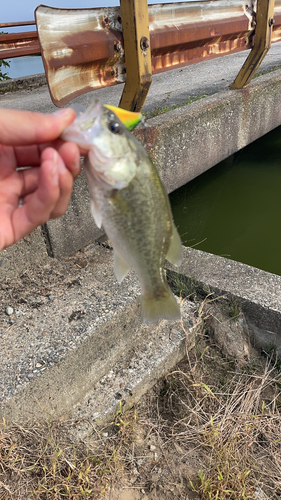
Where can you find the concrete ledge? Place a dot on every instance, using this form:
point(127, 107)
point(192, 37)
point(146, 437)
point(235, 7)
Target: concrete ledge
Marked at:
point(78, 327)
point(257, 292)
point(187, 141)
point(23, 82)
point(183, 144)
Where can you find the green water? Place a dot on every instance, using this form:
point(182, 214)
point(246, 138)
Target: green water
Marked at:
point(234, 209)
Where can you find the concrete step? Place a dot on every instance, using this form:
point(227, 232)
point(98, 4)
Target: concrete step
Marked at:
point(63, 326)
point(71, 321)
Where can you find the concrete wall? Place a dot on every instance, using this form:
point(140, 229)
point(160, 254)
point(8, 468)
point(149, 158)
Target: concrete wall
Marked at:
point(186, 142)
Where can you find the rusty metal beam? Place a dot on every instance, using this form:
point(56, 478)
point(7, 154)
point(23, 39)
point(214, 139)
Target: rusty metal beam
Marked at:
point(19, 44)
point(16, 24)
point(83, 49)
point(135, 23)
point(262, 43)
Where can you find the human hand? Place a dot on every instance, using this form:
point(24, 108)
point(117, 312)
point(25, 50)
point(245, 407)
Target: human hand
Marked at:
point(31, 196)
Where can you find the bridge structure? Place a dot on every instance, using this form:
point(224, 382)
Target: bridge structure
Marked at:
point(177, 47)
point(77, 335)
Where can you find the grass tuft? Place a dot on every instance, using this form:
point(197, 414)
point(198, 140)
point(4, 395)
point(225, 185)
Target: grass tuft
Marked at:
point(185, 287)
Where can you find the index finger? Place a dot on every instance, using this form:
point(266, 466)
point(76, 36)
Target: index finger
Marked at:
point(20, 128)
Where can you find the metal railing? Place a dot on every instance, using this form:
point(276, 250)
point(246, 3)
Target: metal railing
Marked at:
point(86, 49)
point(18, 44)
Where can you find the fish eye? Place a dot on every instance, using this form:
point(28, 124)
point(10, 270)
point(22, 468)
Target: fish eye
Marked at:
point(114, 127)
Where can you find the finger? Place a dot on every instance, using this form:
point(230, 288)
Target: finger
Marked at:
point(70, 155)
point(38, 206)
point(30, 176)
point(18, 128)
point(30, 155)
point(30, 180)
point(65, 182)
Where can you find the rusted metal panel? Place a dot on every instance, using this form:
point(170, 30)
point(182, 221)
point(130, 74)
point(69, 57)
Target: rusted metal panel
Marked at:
point(19, 44)
point(84, 49)
point(81, 50)
point(190, 43)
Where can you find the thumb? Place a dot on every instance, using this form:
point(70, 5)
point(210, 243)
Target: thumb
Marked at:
point(21, 128)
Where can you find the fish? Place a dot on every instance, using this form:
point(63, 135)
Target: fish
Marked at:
point(129, 199)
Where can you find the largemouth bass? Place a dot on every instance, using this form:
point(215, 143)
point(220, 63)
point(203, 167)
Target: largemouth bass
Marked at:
point(130, 201)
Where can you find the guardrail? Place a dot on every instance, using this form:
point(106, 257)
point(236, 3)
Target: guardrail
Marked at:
point(85, 49)
point(18, 44)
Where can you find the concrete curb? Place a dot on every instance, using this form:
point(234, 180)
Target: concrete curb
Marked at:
point(256, 291)
point(23, 82)
point(191, 139)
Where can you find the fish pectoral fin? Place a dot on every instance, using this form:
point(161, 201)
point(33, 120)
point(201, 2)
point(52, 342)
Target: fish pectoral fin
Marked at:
point(174, 254)
point(121, 267)
point(96, 214)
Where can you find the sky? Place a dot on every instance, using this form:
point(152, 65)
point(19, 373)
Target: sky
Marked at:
point(19, 10)
point(23, 10)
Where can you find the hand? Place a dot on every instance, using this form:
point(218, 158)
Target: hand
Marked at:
point(31, 196)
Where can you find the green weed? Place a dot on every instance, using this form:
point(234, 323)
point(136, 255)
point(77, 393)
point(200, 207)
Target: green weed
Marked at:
point(266, 71)
point(164, 109)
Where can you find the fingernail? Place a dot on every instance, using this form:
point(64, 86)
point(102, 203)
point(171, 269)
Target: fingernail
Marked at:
point(55, 172)
point(62, 112)
point(76, 164)
point(61, 167)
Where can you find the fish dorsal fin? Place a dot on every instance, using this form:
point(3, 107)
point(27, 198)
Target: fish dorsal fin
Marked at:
point(121, 267)
point(174, 254)
point(96, 213)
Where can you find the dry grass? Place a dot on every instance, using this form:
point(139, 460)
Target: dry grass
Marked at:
point(44, 462)
point(210, 430)
point(231, 416)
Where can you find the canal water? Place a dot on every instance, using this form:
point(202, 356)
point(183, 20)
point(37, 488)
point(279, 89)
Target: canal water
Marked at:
point(234, 209)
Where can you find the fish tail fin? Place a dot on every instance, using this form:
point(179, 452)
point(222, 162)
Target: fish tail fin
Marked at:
point(156, 308)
